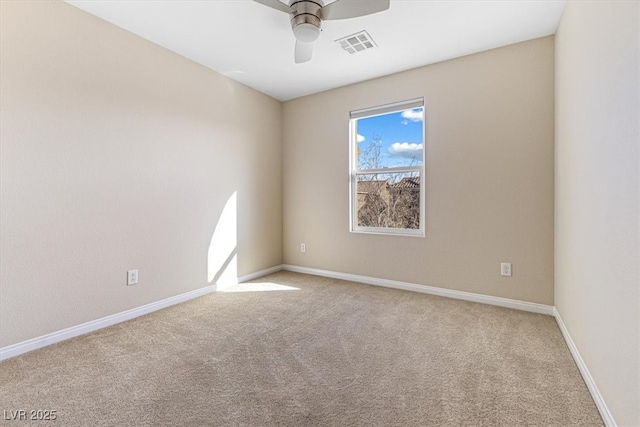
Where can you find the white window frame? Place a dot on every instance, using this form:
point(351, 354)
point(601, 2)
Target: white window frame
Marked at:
point(354, 171)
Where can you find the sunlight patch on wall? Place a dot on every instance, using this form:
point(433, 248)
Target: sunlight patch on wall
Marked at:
point(222, 264)
point(228, 274)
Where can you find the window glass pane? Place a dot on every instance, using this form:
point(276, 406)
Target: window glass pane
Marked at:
point(390, 140)
point(389, 200)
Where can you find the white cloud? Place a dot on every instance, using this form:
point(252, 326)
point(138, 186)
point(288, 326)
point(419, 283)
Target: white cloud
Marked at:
point(415, 115)
point(360, 138)
point(407, 150)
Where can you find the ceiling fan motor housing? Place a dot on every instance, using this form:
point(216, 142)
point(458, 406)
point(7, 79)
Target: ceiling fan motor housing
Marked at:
point(306, 21)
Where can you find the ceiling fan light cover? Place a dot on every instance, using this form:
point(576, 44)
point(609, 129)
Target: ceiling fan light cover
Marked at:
point(306, 32)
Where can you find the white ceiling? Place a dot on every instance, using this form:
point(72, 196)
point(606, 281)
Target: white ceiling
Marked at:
point(253, 44)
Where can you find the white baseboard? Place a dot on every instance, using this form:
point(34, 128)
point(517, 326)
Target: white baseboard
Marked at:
point(94, 325)
point(260, 273)
point(606, 415)
point(431, 290)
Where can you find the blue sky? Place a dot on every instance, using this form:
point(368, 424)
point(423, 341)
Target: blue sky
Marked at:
point(401, 138)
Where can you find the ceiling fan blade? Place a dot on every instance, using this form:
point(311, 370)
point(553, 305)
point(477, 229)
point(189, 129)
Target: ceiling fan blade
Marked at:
point(342, 9)
point(275, 4)
point(304, 51)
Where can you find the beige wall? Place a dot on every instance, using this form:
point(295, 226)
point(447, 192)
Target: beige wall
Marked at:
point(597, 190)
point(489, 176)
point(118, 154)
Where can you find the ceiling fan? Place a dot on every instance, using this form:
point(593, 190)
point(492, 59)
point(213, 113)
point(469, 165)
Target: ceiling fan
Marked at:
point(307, 16)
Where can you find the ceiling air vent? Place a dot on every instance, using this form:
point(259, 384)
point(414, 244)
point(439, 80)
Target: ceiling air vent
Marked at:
point(357, 42)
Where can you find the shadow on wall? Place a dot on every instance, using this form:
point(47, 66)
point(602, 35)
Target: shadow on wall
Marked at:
point(222, 265)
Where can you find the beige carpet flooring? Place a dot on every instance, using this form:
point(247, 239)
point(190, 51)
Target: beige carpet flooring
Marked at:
point(329, 353)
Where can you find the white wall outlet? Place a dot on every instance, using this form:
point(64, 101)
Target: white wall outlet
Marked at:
point(303, 247)
point(505, 269)
point(132, 277)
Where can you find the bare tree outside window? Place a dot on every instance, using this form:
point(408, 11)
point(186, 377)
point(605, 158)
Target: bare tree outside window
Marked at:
point(389, 200)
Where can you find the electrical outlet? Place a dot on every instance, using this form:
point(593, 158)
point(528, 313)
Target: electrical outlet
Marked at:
point(505, 269)
point(303, 247)
point(132, 277)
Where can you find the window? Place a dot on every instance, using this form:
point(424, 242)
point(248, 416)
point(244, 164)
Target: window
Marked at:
point(387, 169)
